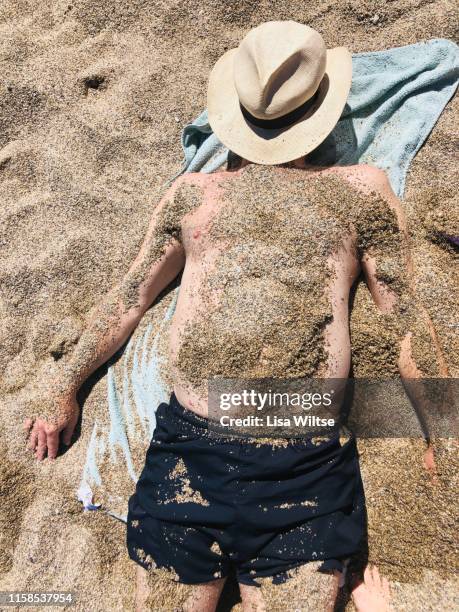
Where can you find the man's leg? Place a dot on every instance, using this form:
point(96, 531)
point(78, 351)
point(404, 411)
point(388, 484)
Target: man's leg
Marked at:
point(141, 589)
point(252, 599)
point(204, 597)
point(306, 589)
point(198, 598)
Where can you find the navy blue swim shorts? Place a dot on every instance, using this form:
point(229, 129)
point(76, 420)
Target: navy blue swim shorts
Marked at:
point(205, 505)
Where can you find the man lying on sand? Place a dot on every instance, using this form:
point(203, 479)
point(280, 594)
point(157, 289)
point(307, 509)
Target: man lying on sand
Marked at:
point(269, 251)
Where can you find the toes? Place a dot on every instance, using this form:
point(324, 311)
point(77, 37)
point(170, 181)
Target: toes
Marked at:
point(376, 577)
point(367, 576)
point(386, 588)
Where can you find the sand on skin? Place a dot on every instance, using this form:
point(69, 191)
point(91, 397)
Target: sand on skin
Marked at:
point(92, 100)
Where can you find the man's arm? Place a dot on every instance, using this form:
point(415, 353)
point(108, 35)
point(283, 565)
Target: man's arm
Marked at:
point(370, 180)
point(159, 261)
point(386, 300)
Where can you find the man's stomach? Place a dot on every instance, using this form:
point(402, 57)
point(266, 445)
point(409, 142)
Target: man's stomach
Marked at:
point(253, 328)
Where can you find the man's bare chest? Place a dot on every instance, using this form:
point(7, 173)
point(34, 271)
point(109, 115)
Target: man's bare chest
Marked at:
point(298, 233)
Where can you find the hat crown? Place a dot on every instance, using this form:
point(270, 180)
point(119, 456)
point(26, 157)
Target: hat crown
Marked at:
point(278, 67)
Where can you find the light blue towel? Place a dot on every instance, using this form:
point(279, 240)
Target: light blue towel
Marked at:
point(395, 99)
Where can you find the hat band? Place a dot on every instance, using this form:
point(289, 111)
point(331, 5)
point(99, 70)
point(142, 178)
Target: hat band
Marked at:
point(283, 121)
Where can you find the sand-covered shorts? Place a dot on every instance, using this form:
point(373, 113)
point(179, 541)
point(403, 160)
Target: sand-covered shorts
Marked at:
point(205, 505)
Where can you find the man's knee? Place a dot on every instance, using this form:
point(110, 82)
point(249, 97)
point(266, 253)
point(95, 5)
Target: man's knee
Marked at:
point(305, 588)
point(156, 591)
point(204, 597)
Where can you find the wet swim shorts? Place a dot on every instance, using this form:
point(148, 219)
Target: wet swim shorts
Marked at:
point(203, 504)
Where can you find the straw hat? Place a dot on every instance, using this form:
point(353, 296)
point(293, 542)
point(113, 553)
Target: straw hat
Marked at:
point(279, 94)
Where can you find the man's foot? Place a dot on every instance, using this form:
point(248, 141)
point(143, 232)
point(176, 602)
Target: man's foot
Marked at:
point(373, 594)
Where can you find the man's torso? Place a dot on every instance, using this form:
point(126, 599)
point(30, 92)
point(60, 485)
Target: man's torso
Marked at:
point(270, 261)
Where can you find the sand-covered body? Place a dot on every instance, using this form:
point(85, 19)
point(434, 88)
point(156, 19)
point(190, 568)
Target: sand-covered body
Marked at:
point(271, 257)
point(93, 97)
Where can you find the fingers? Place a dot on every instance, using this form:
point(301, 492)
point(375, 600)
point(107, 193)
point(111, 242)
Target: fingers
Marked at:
point(52, 441)
point(33, 438)
point(27, 425)
point(41, 444)
point(44, 435)
point(44, 438)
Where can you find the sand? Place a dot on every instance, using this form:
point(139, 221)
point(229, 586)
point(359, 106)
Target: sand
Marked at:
point(92, 100)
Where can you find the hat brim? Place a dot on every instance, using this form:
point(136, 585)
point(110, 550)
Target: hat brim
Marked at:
point(276, 146)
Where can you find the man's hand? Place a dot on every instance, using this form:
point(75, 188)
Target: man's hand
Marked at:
point(43, 434)
point(429, 464)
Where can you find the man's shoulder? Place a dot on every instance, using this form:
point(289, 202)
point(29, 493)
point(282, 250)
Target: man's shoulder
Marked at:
point(203, 182)
point(364, 177)
point(196, 178)
point(203, 187)
point(370, 180)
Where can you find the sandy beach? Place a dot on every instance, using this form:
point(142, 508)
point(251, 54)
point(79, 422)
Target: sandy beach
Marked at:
point(93, 98)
